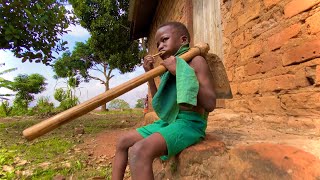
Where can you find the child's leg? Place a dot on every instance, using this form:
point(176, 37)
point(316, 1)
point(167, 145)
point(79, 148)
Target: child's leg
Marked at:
point(142, 154)
point(121, 157)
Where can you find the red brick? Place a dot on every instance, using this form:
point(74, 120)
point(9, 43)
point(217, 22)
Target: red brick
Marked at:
point(249, 14)
point(304, 52)
point(230, 27)
point(239, 73)
point(318, 75)
point(230, 75)
point(236, 8)
point(253, 68)
point(251, 50)
point(270, 61)
point(238, 105)
point(251, 87)
point(278, 83)
point(234, 88)
point(301, 122)
point(301, 78)
point(263, 27)
point(238, 40)
point(269, 3)
point(277, 40)
point(248, 35)
point(230, 61)
point(297, 6)
point(313, 23)
point(306, 103)
point(265, 105)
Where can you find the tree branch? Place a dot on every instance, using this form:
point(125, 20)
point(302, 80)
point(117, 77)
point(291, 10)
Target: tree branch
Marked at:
point(98, 79)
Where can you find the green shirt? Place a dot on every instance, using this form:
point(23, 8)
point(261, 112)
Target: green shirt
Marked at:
point(174, 90)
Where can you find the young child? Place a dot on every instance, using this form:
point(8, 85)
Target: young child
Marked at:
point(182, 102)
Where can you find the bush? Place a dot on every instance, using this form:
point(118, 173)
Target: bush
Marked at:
point(66, 98)
point(5, 109)
point(44, 107)
point(20, 108)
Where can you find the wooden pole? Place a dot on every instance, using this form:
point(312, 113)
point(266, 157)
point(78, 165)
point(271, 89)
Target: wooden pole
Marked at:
point(89, 105)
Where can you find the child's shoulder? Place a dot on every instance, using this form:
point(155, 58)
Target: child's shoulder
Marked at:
point(198, 62)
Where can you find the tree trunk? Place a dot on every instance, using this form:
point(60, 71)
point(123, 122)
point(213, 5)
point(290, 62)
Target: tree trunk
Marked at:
point(104, 106)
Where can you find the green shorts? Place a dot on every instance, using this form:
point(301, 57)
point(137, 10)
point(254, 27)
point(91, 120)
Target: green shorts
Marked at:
point(188, 129)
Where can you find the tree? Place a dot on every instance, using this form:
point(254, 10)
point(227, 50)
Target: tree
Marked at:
point(26, 87)
point(66, 98)
point(109, 47)
point(140, 103)
point(32, 29)
point(118, 104)
point(5, 83)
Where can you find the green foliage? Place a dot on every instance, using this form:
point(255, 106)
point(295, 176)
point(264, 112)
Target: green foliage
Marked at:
point(118, 104)
point(140, 103)
point(107, 22)
point(43, 107)
point(5, 108)
point(66, 98)
point(71, 68)
point(6, 159)
point(26, 86)
point(20, 107)
point(32, 29)
point(5, 83)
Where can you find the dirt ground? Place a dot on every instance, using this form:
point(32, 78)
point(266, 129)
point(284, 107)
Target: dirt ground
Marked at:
point(233, 129)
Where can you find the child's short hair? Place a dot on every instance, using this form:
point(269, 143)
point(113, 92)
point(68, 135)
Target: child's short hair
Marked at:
point(179, 26)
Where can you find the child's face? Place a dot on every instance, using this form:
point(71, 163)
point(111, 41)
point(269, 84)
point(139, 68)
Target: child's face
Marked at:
point(169, 40)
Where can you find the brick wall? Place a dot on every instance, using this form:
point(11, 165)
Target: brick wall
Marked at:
point(169, 10)
point(272, 55)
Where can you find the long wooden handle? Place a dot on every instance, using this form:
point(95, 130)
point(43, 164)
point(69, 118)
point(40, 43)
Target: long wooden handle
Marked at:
point(91, 104)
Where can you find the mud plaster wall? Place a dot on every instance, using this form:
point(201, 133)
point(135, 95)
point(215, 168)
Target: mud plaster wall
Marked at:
point(169, 10)
point(272, 55)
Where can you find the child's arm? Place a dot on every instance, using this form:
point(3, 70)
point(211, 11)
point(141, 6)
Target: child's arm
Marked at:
point(206, 95)
point(148, 62)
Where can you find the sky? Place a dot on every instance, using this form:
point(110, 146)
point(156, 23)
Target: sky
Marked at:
point(86, 90)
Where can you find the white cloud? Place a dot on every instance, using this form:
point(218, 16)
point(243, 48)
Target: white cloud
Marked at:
point(78, 31)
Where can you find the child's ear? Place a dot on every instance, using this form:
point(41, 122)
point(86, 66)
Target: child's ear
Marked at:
point(184, 39)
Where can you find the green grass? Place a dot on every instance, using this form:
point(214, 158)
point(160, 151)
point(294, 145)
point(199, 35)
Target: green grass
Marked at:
point(53, 154)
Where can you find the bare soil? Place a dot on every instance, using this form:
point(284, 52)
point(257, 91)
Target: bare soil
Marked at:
point(233, 129)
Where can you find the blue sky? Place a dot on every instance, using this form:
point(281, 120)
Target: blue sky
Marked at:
point(86, 90)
